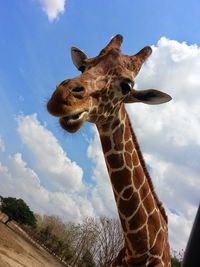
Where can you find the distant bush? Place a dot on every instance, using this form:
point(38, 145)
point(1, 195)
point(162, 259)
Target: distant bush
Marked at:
point(18, 210)
point(176, 259)
point(175, 262)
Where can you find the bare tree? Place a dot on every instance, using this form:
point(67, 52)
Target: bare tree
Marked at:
point(109, 241)
point(86, 240)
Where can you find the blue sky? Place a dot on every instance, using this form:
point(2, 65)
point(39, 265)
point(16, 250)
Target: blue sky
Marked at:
point(35, 52)
point(36, 37)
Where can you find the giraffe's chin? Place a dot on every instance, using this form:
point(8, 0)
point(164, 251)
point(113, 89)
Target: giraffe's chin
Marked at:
point(73, 123)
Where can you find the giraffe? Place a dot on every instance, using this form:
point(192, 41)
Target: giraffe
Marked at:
point(99, 95)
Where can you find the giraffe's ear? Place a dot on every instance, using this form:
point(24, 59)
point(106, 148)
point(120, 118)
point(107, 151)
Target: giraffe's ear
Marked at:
point(144, 53)
point(78, 58)
point(137, 60)
point(149, 96)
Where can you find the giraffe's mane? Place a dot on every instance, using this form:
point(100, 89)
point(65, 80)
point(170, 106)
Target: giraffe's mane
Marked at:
point(143, 164)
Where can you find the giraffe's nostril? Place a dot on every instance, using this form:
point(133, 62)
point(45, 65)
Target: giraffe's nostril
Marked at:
point(78, 91)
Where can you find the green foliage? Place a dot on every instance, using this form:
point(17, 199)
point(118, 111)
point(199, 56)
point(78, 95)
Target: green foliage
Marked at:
point(45, 233)
point(176, 259)
point(87, 259)
point(18, 210)
point(68, 253)
point(175, 262)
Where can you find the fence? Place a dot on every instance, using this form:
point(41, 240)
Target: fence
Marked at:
point(15, 227)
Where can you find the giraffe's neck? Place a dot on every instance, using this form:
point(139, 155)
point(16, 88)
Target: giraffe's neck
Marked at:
point(142, 217)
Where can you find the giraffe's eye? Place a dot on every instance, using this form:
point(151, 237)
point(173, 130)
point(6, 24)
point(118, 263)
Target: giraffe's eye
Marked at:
point(126, 87)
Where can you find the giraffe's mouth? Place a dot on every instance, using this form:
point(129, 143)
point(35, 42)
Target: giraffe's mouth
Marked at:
point(73, 123)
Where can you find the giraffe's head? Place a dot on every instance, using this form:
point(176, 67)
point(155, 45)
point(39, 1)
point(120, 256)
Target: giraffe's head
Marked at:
point(106, 82)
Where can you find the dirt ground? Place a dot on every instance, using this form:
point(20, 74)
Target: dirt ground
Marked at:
point(16, 251)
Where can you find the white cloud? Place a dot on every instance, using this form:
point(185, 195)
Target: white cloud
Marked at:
point(168, 134)
point(50, 158)
point(179, 229)
point(18, 180)
point(64, 193)
point(52, 8)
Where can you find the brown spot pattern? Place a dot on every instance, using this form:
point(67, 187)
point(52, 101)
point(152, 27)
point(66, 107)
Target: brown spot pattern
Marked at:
point(136, 182)
point(100, 109)
point(128, 159)
point(127, 193)
point(139, 241)
point(115, 161)
point(125, 207)
point(153, 226)
point(129, 146)
point(144, 190)
point(135, 158)
point(138, 176)
point(121, 179)
point(127, 134)
point(123, 222)
point(117, 137)
point(106, 143)
point(138, 219)
point(115, 124)
point(159, 241)
point(149, 203)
